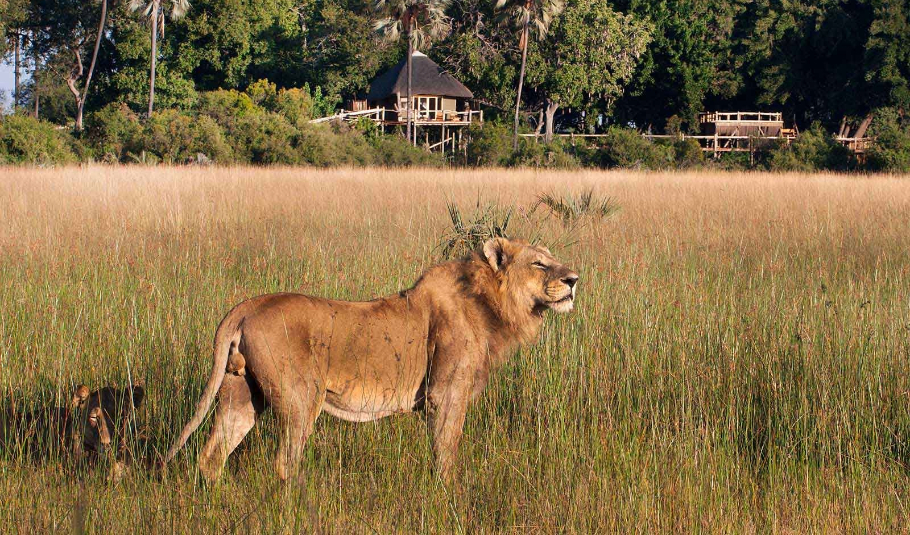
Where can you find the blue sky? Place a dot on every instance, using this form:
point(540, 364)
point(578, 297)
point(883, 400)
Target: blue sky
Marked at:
point(6, 82)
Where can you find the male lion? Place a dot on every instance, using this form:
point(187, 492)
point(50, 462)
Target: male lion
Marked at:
point(430, 347)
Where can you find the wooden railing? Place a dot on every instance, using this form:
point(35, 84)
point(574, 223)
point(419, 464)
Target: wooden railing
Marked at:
point(442, 116)
point(376, 114)
point(381, 115)
point(740, 116)
point(719, 143)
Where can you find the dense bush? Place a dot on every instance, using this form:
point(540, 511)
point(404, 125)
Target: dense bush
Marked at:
point(264, 125)
point(395, 151)
point(114, 132)
point(178, 137)
point(687, 154)
point(227, 105)
point(891, 151)
point(532, 153)
point(26, 140)
point(294, 104)
point(265, 138)
point(333, 145)
point(813, 150)
point(626, 148)
point(261, 126)
point(491, 145)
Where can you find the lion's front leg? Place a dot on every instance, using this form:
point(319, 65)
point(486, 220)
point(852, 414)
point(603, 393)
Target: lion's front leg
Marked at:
point(445, 418)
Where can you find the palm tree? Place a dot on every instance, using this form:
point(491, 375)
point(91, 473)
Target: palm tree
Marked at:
point(528, 15)
point(419, 21)
point(153, 10)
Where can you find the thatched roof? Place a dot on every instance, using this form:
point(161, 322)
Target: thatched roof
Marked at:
point(427, 78)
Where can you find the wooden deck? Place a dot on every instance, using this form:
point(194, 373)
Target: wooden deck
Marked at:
point(741, 123)
point(718, 144)
point(387, 117)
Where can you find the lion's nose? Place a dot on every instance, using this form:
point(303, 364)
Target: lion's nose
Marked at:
point(570, 280)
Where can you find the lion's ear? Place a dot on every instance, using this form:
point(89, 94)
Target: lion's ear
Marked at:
point(495, 252)
point(80, 396)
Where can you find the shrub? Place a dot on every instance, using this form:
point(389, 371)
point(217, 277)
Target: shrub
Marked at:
point(348, 145)
point(626, 148)
point(227, 105)
point(687, 154)
point(264, 94)
point(26, 140)
point(265, 138)
point(395, 151)
point(532, 153)
point(323, 105)
point(891, 151)
point(113, 132)
point(813, 150)
point(295, 105)
point(732, 161)
point(489, 145)
point(177, 137)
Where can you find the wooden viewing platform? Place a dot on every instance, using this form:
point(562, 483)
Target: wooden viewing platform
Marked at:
point(740, 131)
point(718, 144)
point(741, 123)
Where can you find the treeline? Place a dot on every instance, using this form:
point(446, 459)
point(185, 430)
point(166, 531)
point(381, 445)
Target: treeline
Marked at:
point(839, 66)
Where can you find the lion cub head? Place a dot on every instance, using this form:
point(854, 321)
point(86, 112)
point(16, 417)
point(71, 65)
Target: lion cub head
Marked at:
point(103, 414)
point(531, 279)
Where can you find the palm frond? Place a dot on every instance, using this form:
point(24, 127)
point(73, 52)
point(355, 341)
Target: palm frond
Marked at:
point(426, 17)
point(539, 14)
point(389, 29)
point(179, 8)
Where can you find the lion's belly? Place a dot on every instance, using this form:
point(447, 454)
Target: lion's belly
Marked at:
point(360, 405)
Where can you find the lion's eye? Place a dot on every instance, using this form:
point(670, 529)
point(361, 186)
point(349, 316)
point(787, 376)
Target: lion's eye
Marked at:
point(539, 265)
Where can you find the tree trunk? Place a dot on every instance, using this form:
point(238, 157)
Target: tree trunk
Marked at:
point(540, 119)
point(156, 7)
point(16, 94)
point(843, 126)
point(521, 79)
point(411, 130)
point(74, 75)
point(552, 107)
point(91, 67)
point(863, 126)
point(35, 92)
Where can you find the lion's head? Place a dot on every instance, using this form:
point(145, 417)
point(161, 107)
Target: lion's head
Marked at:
point(103, 412)
point(531, 280)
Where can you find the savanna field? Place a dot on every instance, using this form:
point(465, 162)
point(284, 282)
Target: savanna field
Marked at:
point(738, 360)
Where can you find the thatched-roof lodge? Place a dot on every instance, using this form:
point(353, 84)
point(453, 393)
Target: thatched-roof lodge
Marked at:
point(438, 97)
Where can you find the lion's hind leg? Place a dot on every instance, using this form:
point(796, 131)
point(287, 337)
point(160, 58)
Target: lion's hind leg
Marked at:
point(297, 413)
point(238, 407)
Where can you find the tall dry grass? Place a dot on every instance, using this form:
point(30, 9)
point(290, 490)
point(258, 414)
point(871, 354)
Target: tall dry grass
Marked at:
point(737, 362)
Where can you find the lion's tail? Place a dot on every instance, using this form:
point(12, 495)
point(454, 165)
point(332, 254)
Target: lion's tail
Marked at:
point(226, 337)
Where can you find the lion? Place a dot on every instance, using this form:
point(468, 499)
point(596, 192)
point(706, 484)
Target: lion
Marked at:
point(85, 429)
point(430, 348)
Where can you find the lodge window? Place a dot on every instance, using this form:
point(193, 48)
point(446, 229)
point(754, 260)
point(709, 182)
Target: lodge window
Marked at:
point(428, 108)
